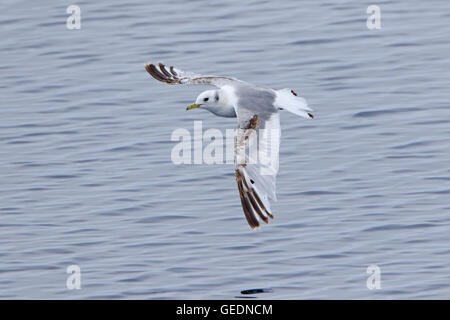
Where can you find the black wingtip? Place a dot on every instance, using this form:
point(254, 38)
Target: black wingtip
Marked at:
point(147, 68)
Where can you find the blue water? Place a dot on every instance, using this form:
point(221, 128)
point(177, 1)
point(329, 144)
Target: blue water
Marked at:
point(87, 179)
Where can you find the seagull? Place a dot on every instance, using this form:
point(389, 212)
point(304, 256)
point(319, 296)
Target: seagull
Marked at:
point(256, 108)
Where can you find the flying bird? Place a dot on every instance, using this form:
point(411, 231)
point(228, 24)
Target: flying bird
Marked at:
point(256, 108)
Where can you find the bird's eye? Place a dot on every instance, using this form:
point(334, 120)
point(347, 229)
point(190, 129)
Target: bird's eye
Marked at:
point(206, 99)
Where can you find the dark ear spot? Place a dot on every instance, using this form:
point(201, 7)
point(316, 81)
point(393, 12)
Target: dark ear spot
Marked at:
point(251, 180)
point(294, 93)
point(216, 97)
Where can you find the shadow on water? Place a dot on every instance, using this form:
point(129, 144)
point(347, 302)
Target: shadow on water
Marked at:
point(248, 293)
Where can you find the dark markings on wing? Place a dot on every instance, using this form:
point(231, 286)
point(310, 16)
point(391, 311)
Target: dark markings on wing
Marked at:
point(170, 76)
point(163, 69)
point(163, 75)
point(251, 195)
point(251, 202)
point(246, 205)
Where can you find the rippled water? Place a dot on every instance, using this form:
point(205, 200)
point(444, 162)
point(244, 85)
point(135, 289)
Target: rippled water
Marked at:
point(85, 151)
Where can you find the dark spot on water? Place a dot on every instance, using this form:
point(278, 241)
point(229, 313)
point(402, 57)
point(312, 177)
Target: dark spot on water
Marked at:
point(254, 291)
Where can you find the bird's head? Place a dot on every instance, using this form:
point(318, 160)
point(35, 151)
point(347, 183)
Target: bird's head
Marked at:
point(207, 100)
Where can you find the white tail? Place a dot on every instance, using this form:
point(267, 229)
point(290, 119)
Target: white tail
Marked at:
point(287, 99)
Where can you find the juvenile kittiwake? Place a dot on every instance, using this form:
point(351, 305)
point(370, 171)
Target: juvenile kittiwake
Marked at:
point(257, 111)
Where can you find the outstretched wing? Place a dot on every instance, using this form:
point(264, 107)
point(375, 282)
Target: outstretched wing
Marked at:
point(172, 75)
point(256, 171)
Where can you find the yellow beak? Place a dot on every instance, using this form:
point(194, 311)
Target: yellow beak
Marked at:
point(193, 106)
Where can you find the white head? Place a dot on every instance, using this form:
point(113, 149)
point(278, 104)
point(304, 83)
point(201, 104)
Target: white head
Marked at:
point(213, 101)
point(206, 100)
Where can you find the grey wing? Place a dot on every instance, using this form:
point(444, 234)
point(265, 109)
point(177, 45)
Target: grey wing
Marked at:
point(256, 162)
point(173, 75)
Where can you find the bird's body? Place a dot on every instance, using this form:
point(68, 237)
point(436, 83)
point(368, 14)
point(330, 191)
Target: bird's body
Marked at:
point(257, 111)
